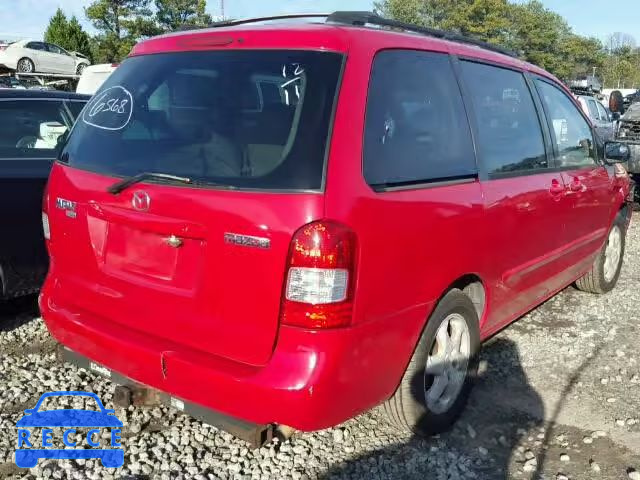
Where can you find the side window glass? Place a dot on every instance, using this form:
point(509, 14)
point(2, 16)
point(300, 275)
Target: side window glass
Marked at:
point(604, 116)
point(159, 99)
point(153, 124)
point(30, 128)
point(571, 132)
point(509, 134)
point(416, 127)
point(593, 110)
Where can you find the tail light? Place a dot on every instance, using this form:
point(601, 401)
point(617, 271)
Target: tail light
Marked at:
point(3, 47)
point(320, 277)
point(45, 213)
point(45, 226)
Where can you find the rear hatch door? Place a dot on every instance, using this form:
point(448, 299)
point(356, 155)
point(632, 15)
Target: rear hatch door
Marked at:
point(196, 261)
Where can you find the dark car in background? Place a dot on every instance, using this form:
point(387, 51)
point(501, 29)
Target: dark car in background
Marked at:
point(631, 99)
point(11, 82)
point(30, 124)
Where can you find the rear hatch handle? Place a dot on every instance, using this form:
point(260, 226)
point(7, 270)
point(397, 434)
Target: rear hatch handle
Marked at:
point(122, 185)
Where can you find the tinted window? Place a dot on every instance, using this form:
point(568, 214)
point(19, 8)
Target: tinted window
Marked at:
point(30, 128)
point(35, 45)
point(54, 48)
point(571, 132)
point(75, 107)
point(509, 133)
point(416, 127)
point(205, 116)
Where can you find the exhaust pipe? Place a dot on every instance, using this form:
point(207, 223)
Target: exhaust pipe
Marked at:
point(137, 395)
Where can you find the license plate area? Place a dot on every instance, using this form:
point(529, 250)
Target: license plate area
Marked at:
point(138, 255)
point(137, 252)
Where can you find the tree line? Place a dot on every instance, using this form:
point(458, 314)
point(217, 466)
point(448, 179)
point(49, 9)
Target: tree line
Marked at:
point(120, 24)
point(534, 32)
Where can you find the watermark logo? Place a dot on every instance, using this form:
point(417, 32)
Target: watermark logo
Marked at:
point(31, 448)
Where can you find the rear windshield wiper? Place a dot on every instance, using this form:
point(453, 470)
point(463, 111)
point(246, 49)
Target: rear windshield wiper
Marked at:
point(122, 185)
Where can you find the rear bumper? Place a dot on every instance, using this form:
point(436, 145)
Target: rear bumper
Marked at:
point(8, 63)
point(314, 380)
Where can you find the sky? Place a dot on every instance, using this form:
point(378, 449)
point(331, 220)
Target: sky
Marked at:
point(29, 18)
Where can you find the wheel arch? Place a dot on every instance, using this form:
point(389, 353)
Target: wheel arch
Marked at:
point(474, 287)
point(470, 284)
point(625, 210)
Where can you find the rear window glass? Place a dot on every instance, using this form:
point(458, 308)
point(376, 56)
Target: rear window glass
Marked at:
point(237, 119)
point(30, 128)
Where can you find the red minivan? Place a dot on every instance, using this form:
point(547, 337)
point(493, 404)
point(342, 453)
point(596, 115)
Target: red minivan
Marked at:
point(287, 224)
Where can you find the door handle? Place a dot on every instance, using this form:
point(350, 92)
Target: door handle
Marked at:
point(557, 189)
point(577, 186)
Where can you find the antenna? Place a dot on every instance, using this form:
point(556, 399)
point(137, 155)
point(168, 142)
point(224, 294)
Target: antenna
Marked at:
point(222, 9)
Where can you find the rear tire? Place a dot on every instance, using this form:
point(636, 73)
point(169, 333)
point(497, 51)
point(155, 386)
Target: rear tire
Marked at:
point(25, 65)
point(416, 406)
point(604, 273)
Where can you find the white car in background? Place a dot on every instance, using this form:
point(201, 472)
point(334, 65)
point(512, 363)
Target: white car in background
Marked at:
point(93, 77)
point(600, 117)
point(28, 56)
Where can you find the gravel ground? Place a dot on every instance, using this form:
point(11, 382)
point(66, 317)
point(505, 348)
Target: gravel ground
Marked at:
point(558, 397)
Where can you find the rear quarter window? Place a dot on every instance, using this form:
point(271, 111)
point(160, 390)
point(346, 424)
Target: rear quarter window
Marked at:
point(416, 126)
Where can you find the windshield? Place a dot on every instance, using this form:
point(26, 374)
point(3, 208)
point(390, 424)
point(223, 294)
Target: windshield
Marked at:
point(238, 119)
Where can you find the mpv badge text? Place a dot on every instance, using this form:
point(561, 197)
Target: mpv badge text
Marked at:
point(68, 206)
point(31, 448)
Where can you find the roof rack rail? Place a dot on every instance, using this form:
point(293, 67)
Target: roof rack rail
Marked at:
point(231, 23)
point(370, 18)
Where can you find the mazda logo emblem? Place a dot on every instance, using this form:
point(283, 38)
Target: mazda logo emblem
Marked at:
point(141, 201)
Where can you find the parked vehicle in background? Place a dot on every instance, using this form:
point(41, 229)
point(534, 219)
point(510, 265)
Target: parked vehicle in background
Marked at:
point(93, 77)
point(600, 117)
point(632, 98)
point(11, 82)
point(30, 124)
point(628, 132)
point(587, 83)
point(219, 230)
point(81, 56)
point(28, 56)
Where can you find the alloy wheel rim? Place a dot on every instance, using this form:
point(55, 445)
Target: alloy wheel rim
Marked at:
point(24, 66)
point(447, 364)
point(612, 253)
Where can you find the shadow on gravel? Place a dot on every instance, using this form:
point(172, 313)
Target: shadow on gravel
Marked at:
point(480, 445)
point(16, 312)
point(573, 380)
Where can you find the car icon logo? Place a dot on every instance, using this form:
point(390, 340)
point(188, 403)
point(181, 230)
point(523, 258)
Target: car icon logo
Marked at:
point(70, 420)
point(141, 201)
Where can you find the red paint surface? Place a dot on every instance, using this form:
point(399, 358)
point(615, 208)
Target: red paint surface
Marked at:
point(117, 294)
